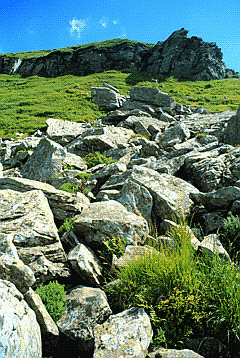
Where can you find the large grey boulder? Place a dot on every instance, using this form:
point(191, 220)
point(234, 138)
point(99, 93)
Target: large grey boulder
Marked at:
point(27, 216)
point(170, 194)
point(85, 307)
point(231, 134)
point(106, 97)
point(63, 204)
point(64, 132)
point(126, 334)
point(175, 134)
point(85, 262)
point(46, 161)
point(102, 220)
point(20, 335)
point(151, 95)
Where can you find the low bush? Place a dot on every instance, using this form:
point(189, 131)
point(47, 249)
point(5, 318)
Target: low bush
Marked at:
point(95, 158)
point(185, 296)
point(52, 296)
point(66, 226)
point(230, 236)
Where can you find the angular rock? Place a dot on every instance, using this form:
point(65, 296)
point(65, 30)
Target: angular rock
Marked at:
point(231, 134)
point(20, 335)
point(64, 132)
point(212, 245)
point(126, 334)
point(63, 204)
point(221, 198)
point(170, 194)
point(106, 97)
point(86, 264)
point(46, 162)
point(85, 307)
point(27, 216)
point(173, 353)
point(151, 95)
point(175, 134)
point(47, 325)
point(131, 253)
point(11, 267)
point(110, 219)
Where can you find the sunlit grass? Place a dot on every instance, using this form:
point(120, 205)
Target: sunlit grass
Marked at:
point(26, 103)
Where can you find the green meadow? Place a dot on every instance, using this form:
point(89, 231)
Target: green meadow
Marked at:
point(26, 103)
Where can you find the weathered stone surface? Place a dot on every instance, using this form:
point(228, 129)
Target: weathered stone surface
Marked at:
point(110, 219)
point(221, 198)
point(231, 134)
point(63, 204)
point(46, 162)
point(47, 325)
point(20, 334)
point(106, 97)
point(27, 216)
point(131, 253)
point(126, 334)
point(63, 132)
point(86, 306)
point(11, 267)
point(86, 264)
point(170, 194)
point(151, 95)
point(212, 245)
point(173, 353)
point(175, 134)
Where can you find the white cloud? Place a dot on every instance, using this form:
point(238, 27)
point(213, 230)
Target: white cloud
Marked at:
point(103, 22)
point(77, 26)
point(115, 22)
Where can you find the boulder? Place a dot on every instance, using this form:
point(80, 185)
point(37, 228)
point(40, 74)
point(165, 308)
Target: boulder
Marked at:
point(131, 253)
point(11, 267)
point(126, 334)
point(20, 335)
point(108, 219)
point(85, 307)
point(63, 204)
point(173, 353)
point(175, 134)
point(231, 133)
point(27, 216)
point(46, 161)
point(106, 97)
point(151, 95)
point(212, 245)
point(86, 264)
point(64, 132)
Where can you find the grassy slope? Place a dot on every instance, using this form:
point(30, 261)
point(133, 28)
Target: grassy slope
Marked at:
point(25, 103)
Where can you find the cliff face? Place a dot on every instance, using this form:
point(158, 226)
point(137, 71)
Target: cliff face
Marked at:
point(179, 56)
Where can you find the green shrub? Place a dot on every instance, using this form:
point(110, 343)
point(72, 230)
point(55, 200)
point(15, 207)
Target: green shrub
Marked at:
point(185, 296)
point(52, 296)
point(96, 158)
point(230, 235)
point(66, 226)
point(72, 187)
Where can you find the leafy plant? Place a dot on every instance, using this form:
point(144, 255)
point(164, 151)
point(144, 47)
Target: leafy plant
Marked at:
point(52, 296)
point(95, 158)
point(66, 226)
point(230, 235)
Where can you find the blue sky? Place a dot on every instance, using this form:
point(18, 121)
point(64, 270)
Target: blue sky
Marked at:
point(27, 25)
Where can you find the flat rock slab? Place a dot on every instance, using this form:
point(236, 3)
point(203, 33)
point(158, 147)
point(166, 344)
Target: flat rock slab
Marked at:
point(126, 334)
point(110, 219)
point(63, 204)
point(20, 334)
point(64, 132)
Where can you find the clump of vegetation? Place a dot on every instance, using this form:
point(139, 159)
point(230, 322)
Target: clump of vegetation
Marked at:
point(185, 296)
point(52, 296)
point(67, 225)
point(230, 236)
point(95, 158)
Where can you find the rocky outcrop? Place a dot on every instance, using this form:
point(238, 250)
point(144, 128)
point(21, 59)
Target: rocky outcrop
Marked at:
point(177, 56)
point(168, 161)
